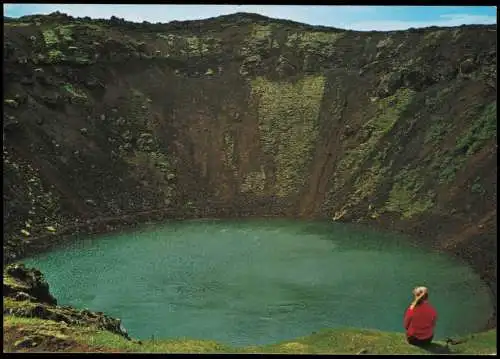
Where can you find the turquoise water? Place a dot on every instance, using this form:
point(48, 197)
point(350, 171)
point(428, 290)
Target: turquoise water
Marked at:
point(259, 281)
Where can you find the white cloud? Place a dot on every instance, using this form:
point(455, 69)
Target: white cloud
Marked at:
point(445, 20)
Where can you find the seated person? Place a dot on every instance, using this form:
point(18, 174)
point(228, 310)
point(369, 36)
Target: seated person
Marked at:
point(420, 319)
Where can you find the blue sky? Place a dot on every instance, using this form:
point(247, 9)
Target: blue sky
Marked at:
point(345, 17)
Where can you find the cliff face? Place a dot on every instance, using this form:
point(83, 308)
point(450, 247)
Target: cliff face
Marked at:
point(245, 115)
point(26, 294)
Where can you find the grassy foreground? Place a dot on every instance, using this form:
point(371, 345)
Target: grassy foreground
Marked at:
point(57, 336)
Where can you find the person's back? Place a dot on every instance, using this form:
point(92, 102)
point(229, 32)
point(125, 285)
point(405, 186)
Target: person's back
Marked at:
point(420, 319)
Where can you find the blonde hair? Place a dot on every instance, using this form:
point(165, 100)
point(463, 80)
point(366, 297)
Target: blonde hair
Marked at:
point(420, 290)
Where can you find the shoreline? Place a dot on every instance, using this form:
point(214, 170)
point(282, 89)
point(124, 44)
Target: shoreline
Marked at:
point(96, 226)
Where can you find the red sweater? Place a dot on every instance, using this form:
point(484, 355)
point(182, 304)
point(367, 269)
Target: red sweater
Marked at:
point(420, 321)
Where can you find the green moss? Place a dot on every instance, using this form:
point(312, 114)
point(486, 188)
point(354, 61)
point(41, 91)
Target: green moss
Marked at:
point(197, 44)
point(389, 110)
point(155, 169)
point(190, 45)
point(254, 182)
point(436, 132)
point(55, 56)
point(473, 138)
point(229, 151)
point(288, 126)
point(161, 161)
point(406, 197)
point(146, 142)
point(309, 40)
point(54, 37)
point(388, 113)
point(481, 130)
point(74, 92)
point(11, 282)
point(10, 303)
point(477, 187)
point(367, 183)
point(260, 37)
point(65, 32)
point(261, 32)
point(448, 166)
point(50, 37)
point(439, 125)
point(40, 206)
point(138, 107)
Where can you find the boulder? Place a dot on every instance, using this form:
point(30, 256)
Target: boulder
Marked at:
point(28, 281)
point(21, 296)
point(467, 66)
point(28, 286)
point(28, 342)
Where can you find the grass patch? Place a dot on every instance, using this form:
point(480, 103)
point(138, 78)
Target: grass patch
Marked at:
point(12, 320)
point(110, 340)
point(328, 341)
point(352, 341)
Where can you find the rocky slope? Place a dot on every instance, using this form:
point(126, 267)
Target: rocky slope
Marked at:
point(107, 121)
point(26, 294)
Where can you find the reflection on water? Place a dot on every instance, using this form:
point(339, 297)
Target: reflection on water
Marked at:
point(259, 281)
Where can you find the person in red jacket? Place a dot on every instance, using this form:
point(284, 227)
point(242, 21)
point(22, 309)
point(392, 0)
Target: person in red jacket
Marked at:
point(420, 319)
